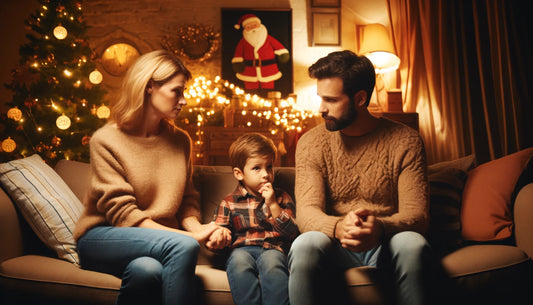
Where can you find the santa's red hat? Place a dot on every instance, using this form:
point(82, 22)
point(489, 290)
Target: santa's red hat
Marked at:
point(245, 19)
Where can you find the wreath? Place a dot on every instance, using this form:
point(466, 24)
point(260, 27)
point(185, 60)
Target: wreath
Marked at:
point(194, 42)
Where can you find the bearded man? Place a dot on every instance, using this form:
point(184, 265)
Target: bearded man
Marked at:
point(257, 55)
point(361, 192)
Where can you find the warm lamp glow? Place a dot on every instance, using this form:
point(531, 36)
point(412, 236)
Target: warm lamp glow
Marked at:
point(374, 43)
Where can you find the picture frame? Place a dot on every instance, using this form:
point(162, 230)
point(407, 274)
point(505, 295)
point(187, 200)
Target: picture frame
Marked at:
point(279, 25)
point(326, 29)
point(325, 3)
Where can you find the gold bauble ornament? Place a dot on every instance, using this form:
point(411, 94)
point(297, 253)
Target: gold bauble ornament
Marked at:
point(63, 122)
point(103, 112)
point(96, 77)
point(14, 114)
point(9, 145)
point(60, 32)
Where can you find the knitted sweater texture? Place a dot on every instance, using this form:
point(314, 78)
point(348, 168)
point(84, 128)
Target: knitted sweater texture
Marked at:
point(135, 178)
point(384, 171)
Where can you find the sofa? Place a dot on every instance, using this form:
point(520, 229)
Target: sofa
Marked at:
point(476, 272)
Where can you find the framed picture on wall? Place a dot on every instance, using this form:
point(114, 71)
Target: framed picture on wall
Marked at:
point(326, 29)
point(269, 32)
point(325, 3)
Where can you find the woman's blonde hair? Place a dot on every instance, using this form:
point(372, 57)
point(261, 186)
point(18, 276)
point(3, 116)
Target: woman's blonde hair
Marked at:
point(157, 66)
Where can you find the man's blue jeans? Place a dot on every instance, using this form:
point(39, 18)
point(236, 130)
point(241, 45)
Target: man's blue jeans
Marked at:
point(156, 266)
point(258, 276)
point(314, 258)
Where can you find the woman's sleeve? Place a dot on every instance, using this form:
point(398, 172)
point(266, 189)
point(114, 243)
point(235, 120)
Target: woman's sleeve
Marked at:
point(110, 192)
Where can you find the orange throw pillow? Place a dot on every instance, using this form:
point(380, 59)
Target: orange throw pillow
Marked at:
point(487, 214)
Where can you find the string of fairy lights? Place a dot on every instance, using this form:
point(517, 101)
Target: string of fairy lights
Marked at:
point(208, 100)
point(207, 97)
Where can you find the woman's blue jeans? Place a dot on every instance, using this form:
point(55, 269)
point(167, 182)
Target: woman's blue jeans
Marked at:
point(258, 276)
point(156, 266)
point(316, 261)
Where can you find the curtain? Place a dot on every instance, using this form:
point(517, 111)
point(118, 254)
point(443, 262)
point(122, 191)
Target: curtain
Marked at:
point(465, 68)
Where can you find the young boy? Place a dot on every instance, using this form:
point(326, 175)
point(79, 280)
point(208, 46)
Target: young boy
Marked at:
point(259, 221)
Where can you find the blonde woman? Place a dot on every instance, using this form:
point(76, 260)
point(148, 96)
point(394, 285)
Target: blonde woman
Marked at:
point(141, 218)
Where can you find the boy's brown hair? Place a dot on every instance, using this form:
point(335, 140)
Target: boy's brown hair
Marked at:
point(250, 145)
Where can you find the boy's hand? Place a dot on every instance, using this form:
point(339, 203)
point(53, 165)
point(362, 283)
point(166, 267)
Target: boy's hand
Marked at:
point(220, 239)
point(267, 191)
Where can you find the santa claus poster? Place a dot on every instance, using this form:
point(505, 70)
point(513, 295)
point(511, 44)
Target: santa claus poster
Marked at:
point(257, 50)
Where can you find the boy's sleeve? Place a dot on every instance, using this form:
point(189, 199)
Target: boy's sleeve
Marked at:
point(222, 214)
point(284, 223)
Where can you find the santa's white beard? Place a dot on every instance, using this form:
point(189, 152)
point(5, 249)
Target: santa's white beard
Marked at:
point(256, 37)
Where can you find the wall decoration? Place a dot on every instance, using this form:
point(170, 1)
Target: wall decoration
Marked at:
point(193, 42)
point(270, 30)
point(118, 57)
point(326, 29)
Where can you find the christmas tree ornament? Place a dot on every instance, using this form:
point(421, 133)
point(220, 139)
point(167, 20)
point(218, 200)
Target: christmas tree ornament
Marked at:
point(9, 145)
point(85, 140)
point(63, 122)
point(93, 110)
point(51, 155)
point(41, 147)
point(15, 114)
point(95, 77)
point(56, 141)
point(103, 112)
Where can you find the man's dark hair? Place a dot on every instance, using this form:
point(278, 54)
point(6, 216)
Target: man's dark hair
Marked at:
point(357, 72)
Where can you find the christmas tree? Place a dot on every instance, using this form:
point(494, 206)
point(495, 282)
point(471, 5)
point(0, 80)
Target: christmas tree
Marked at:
point(57, 101)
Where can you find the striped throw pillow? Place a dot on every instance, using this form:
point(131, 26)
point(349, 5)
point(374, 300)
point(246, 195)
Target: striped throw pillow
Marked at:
point(446, 182)
point(46, 202)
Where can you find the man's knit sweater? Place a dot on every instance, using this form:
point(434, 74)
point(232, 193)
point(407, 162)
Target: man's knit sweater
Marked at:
point(384, 171)
point(135, 178)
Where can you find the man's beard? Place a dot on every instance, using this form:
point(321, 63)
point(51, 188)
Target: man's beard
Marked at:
point(256, 37)
point(345, 120)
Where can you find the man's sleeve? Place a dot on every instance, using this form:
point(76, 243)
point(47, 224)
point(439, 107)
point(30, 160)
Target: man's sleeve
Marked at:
point(310, 189)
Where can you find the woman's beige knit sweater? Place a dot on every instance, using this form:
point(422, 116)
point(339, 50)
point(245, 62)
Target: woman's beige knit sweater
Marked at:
point(384, 171)
point(134, 178)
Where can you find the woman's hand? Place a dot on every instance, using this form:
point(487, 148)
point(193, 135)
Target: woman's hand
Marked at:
point(205, 232)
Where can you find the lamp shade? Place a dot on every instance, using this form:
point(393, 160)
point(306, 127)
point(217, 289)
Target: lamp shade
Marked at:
point(377, 46)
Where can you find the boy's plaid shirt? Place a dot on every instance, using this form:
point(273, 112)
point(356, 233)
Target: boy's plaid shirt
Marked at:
point(246, 216)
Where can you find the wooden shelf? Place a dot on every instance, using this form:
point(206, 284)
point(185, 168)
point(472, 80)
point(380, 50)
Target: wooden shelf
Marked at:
point(408, 118)
point(217, 141)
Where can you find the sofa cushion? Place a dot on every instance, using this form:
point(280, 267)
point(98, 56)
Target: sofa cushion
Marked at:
point(45, 201)
point(486, 214)
point(446, 182)
point(477, 259)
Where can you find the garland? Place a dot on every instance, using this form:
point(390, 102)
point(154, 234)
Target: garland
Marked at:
point(193, 41)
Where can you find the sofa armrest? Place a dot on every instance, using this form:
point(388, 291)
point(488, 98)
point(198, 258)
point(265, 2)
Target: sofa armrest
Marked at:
point(11, 244)
point(523, 219)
